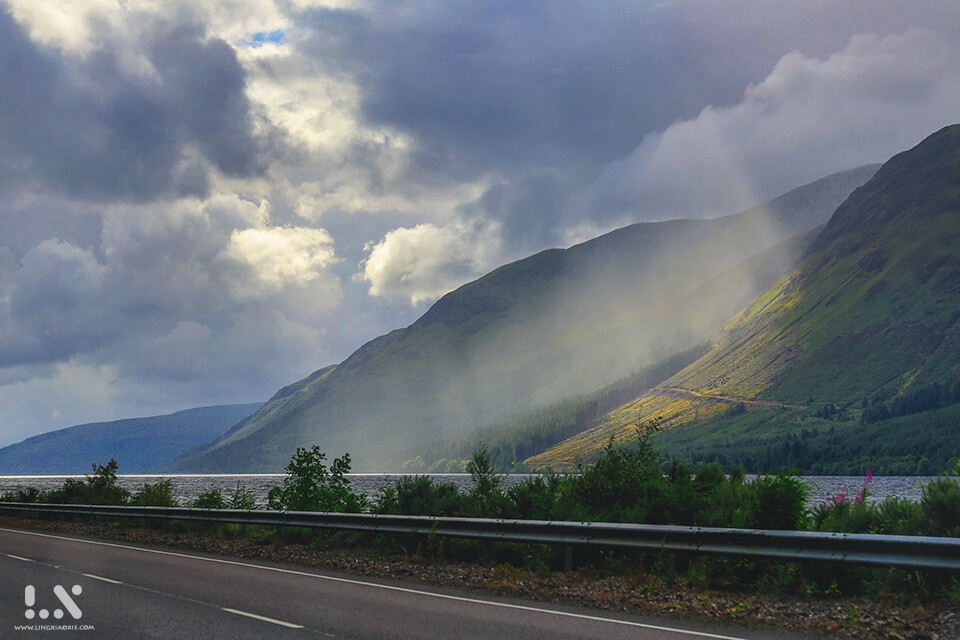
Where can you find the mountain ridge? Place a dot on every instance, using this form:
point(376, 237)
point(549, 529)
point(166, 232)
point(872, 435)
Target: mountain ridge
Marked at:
point(871, 312)
point(138, 444)
point(530, 333)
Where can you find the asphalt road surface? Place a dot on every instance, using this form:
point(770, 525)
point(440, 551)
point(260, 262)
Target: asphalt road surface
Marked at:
point(126, 591)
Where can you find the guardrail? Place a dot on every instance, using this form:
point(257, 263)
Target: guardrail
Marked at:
point(916, 552)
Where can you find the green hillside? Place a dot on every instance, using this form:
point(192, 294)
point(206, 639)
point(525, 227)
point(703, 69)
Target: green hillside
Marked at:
point(867, 322)
point(139, 444)
point(553, 326)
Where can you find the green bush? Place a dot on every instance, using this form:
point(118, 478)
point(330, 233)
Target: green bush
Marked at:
point(898, 516)
point(159, 494)
point(534, 498)
point(485, 499)
point(310, 486)
point(777, 502)
point(211, 499)
point(941, 506)
point(241, 498)
point(419, 496)
point(24, 495)
point(624, 485)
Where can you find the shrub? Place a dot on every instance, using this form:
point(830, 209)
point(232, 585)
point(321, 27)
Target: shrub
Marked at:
point(310, 486)
point(535, 498)
point(624, 485)
point(899, 516)
point(241, 498)
point(212, 499)
point(777, 502)
point(940, 503)
point(159, 494)
point(485, 500)
point(24, 495)
point(420, 496)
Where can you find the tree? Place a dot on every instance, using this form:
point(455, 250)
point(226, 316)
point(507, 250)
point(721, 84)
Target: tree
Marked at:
point(101, 488)
point(310, 486)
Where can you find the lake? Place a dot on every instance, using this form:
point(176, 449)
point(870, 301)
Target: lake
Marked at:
point(188, 487)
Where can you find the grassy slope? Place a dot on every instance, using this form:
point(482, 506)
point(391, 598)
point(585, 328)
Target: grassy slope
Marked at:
point(138, 444)
point(552, 326)
point(872, 308)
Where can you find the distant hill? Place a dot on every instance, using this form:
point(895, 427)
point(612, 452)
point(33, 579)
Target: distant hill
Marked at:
point(851, 360)
point(138, 444)
point(552, 326)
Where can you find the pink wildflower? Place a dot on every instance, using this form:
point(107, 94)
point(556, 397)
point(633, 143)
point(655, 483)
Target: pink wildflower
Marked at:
point(863, 490)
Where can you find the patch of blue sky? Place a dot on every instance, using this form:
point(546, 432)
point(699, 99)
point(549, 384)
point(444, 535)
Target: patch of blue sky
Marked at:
point(266, 37)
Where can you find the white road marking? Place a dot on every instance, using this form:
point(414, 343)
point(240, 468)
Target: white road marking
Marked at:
point(90, 575)
point(504, 605)
point(10, 555)
point(264, 618)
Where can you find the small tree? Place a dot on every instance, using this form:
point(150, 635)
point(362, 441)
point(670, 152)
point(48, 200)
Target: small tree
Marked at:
point(242, 498)
point(484, 476)
point(310, 486)
point(485, 500)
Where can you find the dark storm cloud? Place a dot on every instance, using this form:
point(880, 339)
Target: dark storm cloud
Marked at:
point(538, 94)
point(506, 84)
point(55, 306)
point(93, 129)
point(542, 93)
point(531, 208)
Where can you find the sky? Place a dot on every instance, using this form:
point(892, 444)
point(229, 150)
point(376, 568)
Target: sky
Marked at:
point(201, 204)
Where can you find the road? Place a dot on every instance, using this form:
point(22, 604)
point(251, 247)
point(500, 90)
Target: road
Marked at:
point(128, 591)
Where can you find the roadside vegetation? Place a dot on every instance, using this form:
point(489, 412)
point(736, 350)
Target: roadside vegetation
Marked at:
point(628, 483)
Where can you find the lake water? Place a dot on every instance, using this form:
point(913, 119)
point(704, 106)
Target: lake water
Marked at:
point(188, 487)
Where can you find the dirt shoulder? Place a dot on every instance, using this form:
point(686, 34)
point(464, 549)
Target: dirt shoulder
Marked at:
point(824, 617)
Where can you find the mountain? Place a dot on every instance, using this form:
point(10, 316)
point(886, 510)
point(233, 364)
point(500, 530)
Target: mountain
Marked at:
point(533, 332)
point(138, 444)
point(847, 358)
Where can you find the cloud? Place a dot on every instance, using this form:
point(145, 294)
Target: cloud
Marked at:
point(53, 306)
point(265, 261)
point(183, 212)
point(201, 293)
point(539, 100)
point(809, 117)
point(100, 128)
point(422, 263)
point(483, 86)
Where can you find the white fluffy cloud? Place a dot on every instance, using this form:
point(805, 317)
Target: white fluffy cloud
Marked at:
point(265, 261)
point(422, 263)
point(809, 117)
